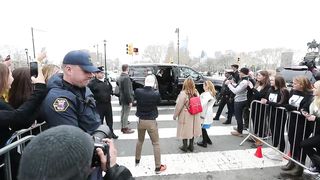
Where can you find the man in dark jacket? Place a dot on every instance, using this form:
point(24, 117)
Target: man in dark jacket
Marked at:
point(147, 101)
point(69, 100)
point(235, 74)
point(226, 98)
point(102, 90)
point(126, 98)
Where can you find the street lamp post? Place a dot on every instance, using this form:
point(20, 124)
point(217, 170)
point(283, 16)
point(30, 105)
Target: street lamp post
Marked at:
point(34, 49)
point(97, 46)
point(26, 50)
point(177, 31)
point(105, 55)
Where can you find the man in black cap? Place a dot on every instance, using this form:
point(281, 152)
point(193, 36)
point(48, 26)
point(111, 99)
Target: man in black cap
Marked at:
point(235, 74)
point(102, 91)
point(226, 97)
point(69, 100)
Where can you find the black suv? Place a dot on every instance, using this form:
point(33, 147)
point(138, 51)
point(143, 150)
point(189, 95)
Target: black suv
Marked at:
point(288, 73)
point(170, 78)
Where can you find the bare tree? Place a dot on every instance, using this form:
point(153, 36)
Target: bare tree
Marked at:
point(154, 52)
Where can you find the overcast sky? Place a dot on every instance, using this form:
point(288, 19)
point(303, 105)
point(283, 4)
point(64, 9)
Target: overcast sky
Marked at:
point(210, 25)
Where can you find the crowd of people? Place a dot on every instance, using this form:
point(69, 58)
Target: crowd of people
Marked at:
point(74, 101)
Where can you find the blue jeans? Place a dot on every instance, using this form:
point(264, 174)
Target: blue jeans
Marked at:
point(238, 110)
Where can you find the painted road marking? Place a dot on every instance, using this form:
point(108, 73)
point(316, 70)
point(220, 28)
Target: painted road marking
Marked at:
point(163, 117)
point(199, 162)
point(172, 132)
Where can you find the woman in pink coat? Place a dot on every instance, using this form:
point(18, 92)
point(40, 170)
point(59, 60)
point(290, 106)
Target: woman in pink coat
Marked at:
point(189, 126)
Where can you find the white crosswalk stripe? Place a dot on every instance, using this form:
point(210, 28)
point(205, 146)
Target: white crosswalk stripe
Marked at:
point(197, 162)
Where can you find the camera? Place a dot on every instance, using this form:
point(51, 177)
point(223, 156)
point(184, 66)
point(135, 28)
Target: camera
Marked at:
point(34, 69)
point(309, 60)
point(98, 135)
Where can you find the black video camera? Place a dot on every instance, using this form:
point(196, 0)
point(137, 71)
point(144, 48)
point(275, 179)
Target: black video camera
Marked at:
point(98, 135)
point(309, 60)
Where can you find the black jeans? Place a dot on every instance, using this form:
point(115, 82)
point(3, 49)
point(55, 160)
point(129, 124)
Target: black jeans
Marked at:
point(238, 110)
point(230, 105)
point(278, 119)
point(308, 146)
point(105, 111)
point(205, 136)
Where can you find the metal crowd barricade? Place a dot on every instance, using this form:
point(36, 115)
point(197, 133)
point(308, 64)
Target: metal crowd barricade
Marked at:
point(273, 125)
point(22, 136)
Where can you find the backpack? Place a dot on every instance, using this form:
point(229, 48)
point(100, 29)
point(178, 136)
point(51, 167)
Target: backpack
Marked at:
point(195, 106)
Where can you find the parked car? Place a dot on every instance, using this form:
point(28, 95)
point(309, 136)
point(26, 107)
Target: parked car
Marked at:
point(289, 72)
point(170, 78)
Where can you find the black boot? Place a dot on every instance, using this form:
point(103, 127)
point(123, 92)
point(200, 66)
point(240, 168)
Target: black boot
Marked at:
point(184, 147)
point(191, 145)
point(288, 166)
point(202, 144)
point(296, 171)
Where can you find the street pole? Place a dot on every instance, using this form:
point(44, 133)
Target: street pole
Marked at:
point(177, 31)
point(98, 53)
point(105, 56)
point(26, 50)
point(34, 51)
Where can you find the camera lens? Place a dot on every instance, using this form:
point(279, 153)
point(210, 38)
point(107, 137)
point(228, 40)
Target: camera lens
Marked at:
point(102, 132)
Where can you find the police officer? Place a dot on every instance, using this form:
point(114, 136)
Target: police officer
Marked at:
point(102, 91)
point(69, 101)
point(235, 74)
point(227, 97)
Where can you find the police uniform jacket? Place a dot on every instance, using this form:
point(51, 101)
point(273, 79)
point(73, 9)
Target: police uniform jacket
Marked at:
point(101, 90)
point(66, 104)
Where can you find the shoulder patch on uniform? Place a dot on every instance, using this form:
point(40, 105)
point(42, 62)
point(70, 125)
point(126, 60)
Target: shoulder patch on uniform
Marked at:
point(60, 104)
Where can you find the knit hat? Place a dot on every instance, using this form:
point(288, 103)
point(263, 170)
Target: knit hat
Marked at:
point(62, 152)
point(149, 81)
point(244, 70)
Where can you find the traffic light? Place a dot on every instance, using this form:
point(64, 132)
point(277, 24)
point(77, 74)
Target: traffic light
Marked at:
point(129, 48)
point(136, 50)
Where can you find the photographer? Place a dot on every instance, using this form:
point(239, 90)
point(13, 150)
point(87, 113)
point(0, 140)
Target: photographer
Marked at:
point(66, 153)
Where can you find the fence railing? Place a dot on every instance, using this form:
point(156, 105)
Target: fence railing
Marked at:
point(22, 137)
point(281, 130)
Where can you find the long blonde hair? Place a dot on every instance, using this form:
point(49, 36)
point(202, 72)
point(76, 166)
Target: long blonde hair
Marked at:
point(305, 83)
point(189, 87)
point(317, 98)
point(48, 70)
point(210, 87)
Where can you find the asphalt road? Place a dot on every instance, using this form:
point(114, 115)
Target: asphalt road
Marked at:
point(225, 159)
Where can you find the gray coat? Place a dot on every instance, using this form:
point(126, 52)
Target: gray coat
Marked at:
point(125, 89)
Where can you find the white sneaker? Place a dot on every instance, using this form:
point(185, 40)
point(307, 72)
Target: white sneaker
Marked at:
point(274, 155)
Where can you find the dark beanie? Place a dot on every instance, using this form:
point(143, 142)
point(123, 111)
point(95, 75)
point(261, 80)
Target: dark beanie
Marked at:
point(62, 153)
point(244, 70)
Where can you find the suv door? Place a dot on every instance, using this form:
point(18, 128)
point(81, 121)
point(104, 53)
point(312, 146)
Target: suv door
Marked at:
point(166, 82)
point(137, 75)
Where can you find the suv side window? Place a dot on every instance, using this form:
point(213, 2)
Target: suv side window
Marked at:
point(140, 71)
point(186, 72)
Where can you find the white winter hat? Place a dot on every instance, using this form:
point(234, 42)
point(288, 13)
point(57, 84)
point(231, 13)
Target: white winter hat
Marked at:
point(149, 81)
